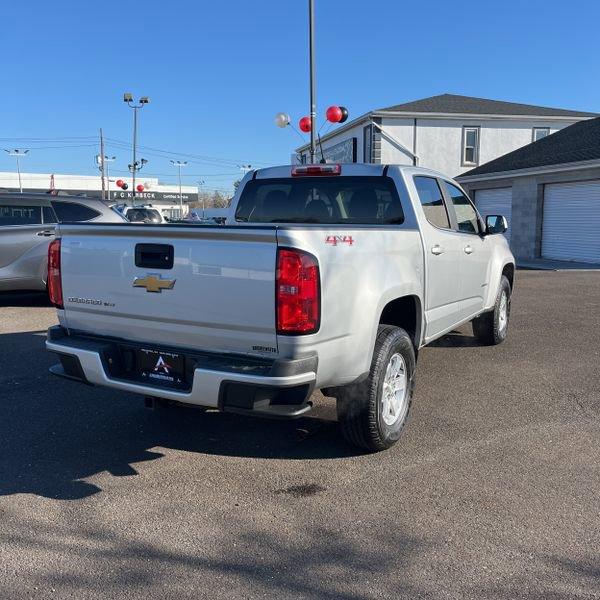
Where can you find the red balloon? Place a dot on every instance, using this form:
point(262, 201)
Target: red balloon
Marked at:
point(139, 188)
point(305, 124)
point(334, 114)
point(120, 182)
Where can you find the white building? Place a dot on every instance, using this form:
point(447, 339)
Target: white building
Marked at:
point(165, 197)
point(449, 133)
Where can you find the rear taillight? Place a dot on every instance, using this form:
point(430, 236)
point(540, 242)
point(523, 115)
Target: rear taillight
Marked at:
point(54, 279)
point(297, 293)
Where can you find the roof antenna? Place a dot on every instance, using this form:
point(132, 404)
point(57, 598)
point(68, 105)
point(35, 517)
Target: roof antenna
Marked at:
point(322, 161)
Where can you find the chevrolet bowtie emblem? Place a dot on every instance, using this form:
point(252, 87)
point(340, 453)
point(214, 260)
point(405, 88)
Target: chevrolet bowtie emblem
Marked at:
point(154, 283)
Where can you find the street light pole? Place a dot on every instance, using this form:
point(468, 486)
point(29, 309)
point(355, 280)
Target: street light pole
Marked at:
point(313, 104)
point(18, 154)
point(128, 98)
point(179, 164)
point(107, 160)
point(200, 184)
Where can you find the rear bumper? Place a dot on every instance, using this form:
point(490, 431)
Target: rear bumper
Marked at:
point(277, 388)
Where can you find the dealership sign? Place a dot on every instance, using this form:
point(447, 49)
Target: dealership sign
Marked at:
point(344, 152)
point(166, 197)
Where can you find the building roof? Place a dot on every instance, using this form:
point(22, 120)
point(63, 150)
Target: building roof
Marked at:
point(578, 142)
point(454, 104)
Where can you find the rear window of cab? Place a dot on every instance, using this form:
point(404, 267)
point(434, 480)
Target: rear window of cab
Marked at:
point(334, 200)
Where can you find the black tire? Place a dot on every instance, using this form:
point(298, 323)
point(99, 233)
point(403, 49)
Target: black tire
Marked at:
point(360, 406)
point(489, 328)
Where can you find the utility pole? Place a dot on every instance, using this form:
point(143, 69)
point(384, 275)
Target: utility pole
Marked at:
point(18, 154)
point(103, 161)
point(102, 164)
point(313, 91)
point(179, 164)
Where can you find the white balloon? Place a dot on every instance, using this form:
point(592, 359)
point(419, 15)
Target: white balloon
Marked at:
point(146, 185)
point(282, 120)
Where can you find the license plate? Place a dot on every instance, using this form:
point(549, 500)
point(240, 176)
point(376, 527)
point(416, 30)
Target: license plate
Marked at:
point(159, 367)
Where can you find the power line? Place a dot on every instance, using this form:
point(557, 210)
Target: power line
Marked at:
point(183, 174)
point(30, 147)
point(200, 157)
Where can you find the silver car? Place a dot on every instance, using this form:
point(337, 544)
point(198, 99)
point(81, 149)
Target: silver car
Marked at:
point(27, 223)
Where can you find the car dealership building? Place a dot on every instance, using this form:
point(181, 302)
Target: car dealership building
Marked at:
point(165, 197)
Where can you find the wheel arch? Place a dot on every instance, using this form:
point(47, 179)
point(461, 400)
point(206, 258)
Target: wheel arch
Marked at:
point(406, 312)
point(509, 272)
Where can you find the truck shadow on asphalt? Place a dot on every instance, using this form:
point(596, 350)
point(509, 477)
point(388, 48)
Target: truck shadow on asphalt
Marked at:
point(24, 299)
point(456, 339)
point(55, 433)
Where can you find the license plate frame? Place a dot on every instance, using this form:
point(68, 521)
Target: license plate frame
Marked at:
point(160, 367)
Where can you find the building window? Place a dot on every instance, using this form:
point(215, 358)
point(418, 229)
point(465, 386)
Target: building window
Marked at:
point(470, 150)
point(540, 132)
point(367, 143)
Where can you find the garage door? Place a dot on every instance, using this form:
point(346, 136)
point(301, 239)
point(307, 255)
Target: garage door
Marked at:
point(495, 202)
point(571, 222)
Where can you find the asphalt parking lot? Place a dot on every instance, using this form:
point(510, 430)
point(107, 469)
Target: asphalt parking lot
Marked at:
point(493, 492)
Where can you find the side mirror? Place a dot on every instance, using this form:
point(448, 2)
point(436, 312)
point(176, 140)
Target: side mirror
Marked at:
point(495, 224)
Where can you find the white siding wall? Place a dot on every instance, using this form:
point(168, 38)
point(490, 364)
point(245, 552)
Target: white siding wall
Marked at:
point(439, 141)
point(399, 130)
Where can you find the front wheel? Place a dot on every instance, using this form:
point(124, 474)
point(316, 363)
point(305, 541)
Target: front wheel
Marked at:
point(491, 327)
point(372, 413)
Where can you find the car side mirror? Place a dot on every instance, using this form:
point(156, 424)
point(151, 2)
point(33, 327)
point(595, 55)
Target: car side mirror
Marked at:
point(495, 224)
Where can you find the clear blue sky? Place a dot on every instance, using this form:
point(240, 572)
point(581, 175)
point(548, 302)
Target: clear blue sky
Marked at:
point(217, 72)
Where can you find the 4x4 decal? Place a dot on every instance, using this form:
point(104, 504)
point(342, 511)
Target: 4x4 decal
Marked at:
point(334, 240)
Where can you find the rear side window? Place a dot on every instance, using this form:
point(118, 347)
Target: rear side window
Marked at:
point(20, 215)
point(71, 211)
point(432, 201)
point(49, 216)
point(466, 215)
point(361, 200)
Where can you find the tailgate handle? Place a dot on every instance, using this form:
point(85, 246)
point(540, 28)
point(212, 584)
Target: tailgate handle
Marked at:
point(154, 256)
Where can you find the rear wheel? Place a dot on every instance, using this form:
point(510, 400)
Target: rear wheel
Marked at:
point(372, 413)
point(491, 327)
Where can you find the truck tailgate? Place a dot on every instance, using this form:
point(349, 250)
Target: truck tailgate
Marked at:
point(222, 298)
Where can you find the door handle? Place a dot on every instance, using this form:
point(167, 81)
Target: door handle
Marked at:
point(437, 250)
point(45, 233)
point(468, 249)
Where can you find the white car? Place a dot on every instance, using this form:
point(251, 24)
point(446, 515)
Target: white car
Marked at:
point(142, 214)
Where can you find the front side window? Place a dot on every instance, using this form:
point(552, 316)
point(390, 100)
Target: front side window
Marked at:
point(343, 200)
point(470, 150)
point(71, 211)
point(540, 132)
point(466, 215)
point(20, 215)
point(432, 201)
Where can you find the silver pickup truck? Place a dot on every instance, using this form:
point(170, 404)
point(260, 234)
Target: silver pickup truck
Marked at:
point(327, 277)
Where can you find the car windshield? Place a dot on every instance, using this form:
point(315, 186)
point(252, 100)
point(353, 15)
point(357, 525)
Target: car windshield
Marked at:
point(144, 215)
point(367, 200)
